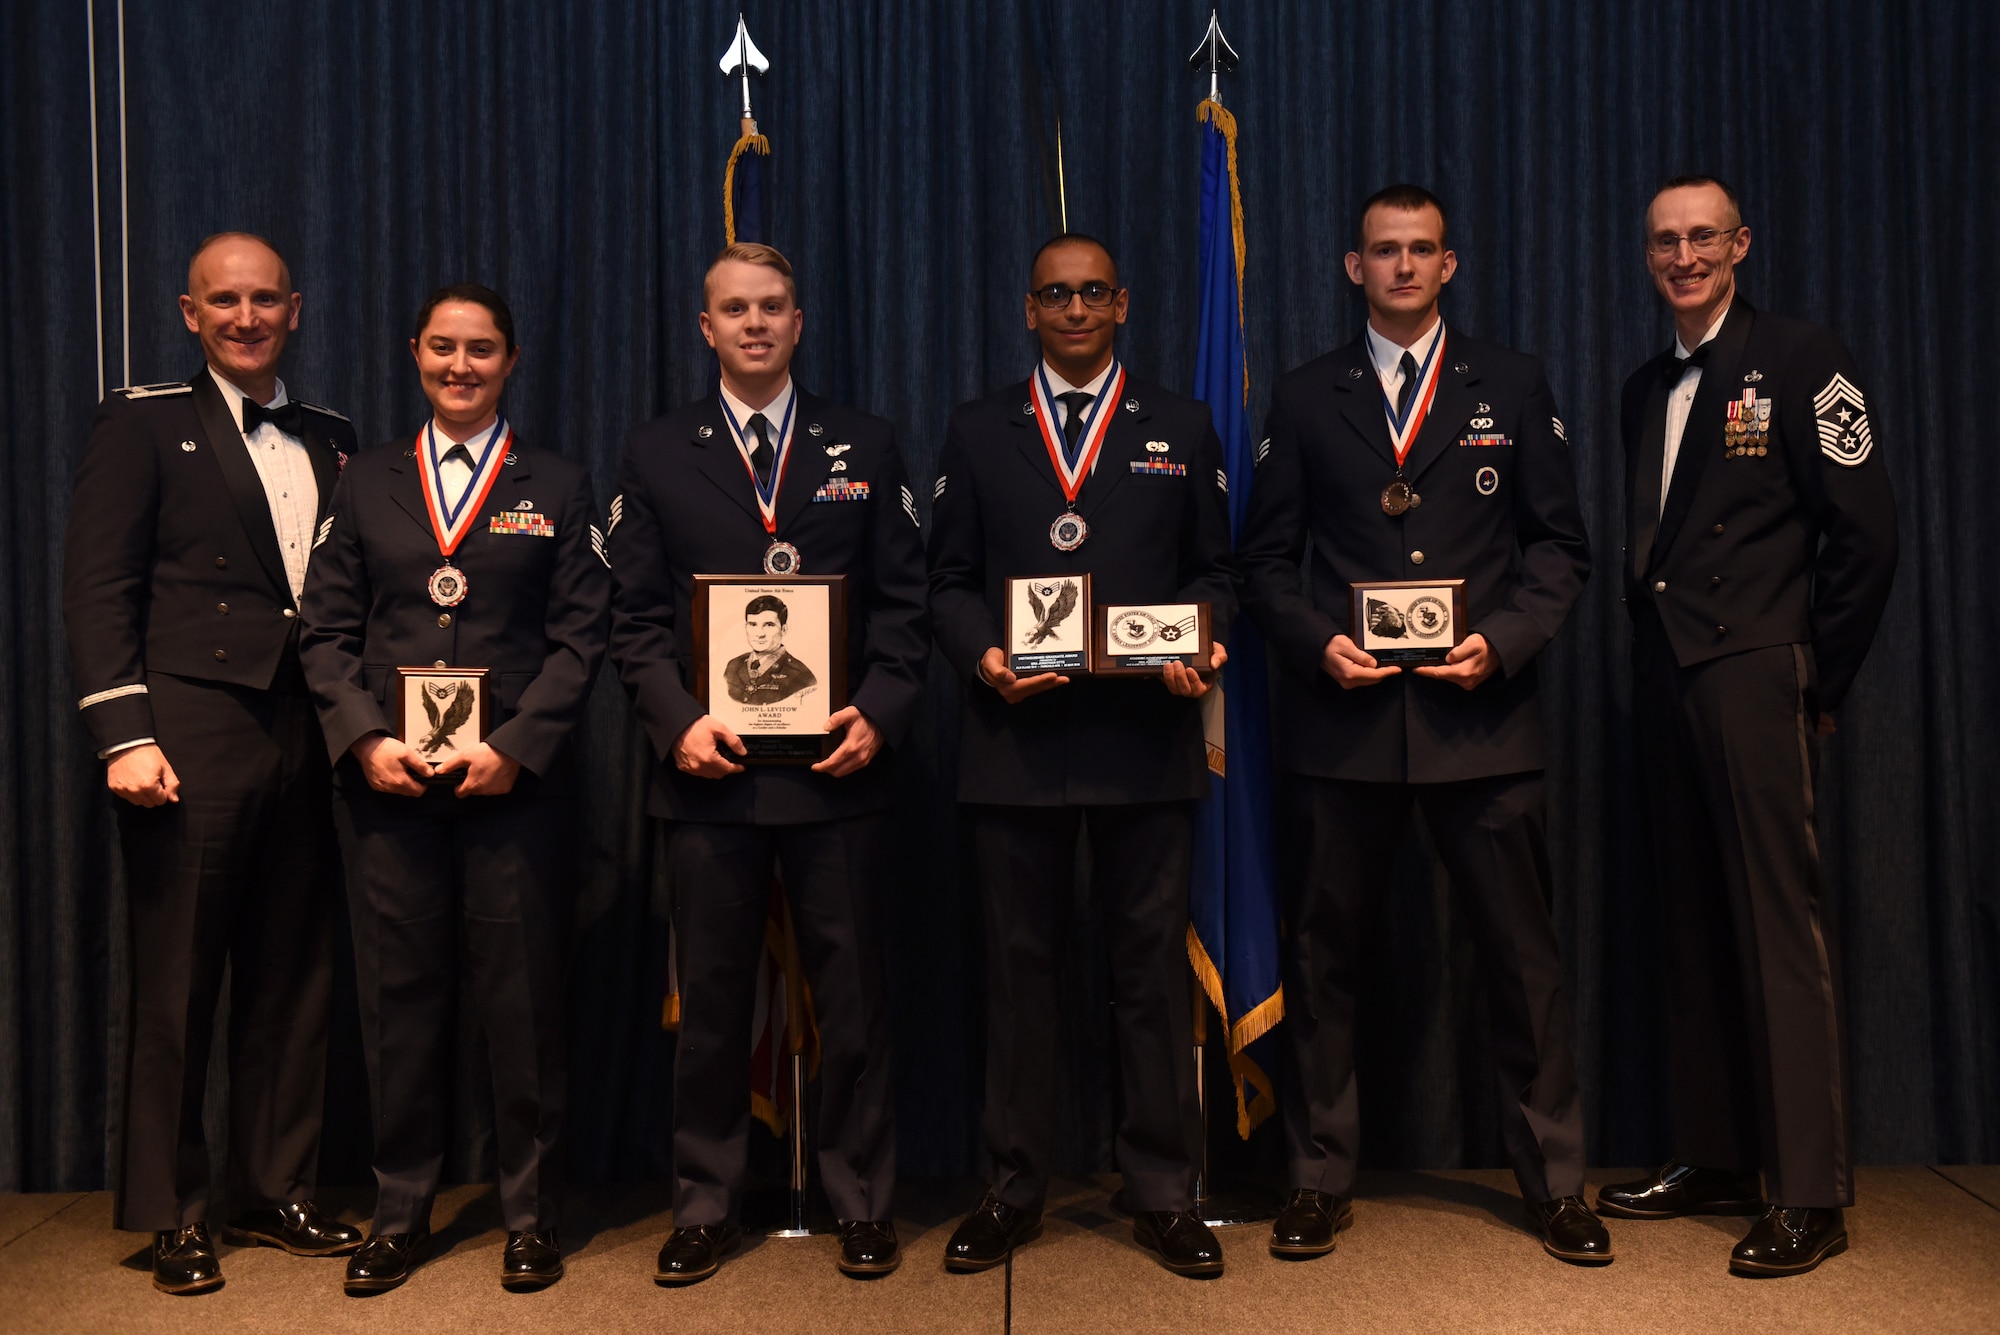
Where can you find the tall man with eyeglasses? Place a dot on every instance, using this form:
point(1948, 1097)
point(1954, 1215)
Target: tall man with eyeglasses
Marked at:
point(1761, 544)
point(1082, 469)
point(1418, 453)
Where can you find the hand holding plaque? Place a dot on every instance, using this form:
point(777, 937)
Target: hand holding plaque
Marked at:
point(1408, 622)
point(442, 714)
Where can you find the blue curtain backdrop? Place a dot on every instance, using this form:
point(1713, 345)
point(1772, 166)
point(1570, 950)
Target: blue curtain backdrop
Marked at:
point(571, 155)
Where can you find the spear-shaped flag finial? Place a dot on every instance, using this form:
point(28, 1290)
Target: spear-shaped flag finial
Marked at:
point(741, 58)
point(1214, 57)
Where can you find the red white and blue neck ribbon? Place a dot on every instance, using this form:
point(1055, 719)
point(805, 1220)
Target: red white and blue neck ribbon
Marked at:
point(767, 496)
point(450, 523)
point(1096, 424)
point(1403, 428)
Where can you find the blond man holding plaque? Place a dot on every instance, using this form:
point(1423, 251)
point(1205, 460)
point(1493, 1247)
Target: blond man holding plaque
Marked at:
point(1428, 472)
point(768, 624)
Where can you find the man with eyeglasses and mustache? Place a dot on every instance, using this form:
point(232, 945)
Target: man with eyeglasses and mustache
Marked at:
point(1082, 469)
point(1760, 550)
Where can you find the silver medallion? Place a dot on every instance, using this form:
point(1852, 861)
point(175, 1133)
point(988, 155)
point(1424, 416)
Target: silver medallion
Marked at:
point(447, 585)
point(781, 558)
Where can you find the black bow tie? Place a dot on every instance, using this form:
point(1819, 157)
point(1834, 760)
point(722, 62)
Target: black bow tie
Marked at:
point(285, 417)
point(1676, 367)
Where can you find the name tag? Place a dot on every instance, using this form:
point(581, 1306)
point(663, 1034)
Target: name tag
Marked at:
point(1159, 468)
point(841, 490)
point(1484, 438)
point(522, 523)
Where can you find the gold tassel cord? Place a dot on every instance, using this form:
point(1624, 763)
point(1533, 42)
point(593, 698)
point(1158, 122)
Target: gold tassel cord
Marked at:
point(759, 144)
point(1214, 113)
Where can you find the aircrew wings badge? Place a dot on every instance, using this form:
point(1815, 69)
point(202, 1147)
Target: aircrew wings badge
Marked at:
point(1842, 418)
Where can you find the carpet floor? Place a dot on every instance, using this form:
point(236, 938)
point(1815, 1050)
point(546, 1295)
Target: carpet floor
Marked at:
point(1429, 1252)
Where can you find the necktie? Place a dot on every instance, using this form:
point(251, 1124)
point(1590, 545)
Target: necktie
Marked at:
point(285, 417)
point(760, 458)
point(1076, 401)
point(1409, 385)
point(1678, 366)
point(460, 453)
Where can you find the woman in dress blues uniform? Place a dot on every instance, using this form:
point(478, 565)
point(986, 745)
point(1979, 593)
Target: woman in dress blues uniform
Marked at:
point(457, 546)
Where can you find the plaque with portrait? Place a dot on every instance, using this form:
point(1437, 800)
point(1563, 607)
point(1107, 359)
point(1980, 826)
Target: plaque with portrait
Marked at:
point(1048, 624)
point(1139, 639)
point(442, 712)
point(1409, 623)
point(770, 655)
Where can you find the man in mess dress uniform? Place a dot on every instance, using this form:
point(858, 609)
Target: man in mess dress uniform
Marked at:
point(1761, 544)
point(189, 534)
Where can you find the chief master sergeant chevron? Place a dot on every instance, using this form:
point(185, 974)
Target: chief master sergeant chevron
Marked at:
point(189, 532)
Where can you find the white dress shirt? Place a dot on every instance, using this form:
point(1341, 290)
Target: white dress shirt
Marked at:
point(1388, 356)
point(774, 413)
point(285, 469)
point(1680, 402)
point(455, 473)
point(1059, 387)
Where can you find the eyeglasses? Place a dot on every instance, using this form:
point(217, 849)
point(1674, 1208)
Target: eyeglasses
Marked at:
point(1095, 295)
point(1707, 241)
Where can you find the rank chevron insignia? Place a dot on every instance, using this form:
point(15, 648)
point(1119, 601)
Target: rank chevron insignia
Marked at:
point(597, 545)
point(937, 488)
point(617, 513)
point(1842, 418)
point(325, 532)
point(910, 507)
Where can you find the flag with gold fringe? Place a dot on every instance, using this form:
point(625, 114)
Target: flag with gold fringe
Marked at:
point(1234, 912)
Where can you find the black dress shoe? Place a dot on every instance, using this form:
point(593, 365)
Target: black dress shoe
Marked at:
point(1182, 1242)
point(868, 1247)
point(531, 1261)
point(1305, 1227)
point(385, 1261)
point(301, 1228)
point(1677, 1190)
point(184, 1260)
point(1789, 1242)
point(695, 1252)
point(1569, 1231)
point(989, 1236)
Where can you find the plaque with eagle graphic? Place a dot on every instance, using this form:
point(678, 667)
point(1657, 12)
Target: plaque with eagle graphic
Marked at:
point(442, 713)
point(1048, 624)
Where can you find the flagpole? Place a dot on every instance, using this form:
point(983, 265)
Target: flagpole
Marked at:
point(796, 1225)
point(1230, 1201)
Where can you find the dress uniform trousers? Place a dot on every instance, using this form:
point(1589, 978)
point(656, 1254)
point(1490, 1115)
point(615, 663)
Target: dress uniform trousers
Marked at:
point(1340, 848)
point(421, 871)
point(1754, 1024)
point(1140, 853)
point(832, 873)
point(239, 871)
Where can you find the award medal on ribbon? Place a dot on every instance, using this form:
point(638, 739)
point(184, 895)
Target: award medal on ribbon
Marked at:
point(450, 523)
point(1069, 531)
point(780, 558)
point(1398, 496)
